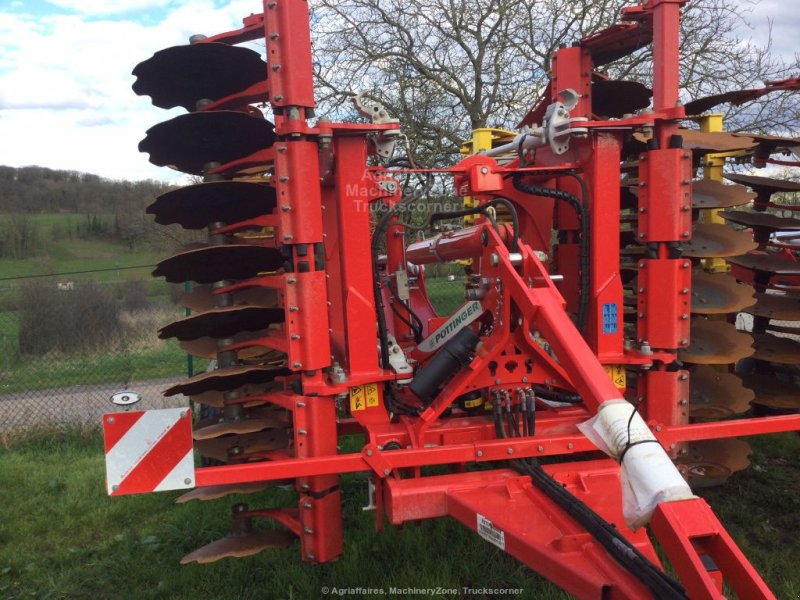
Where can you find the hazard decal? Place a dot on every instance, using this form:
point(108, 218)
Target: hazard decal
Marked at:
point(148, 451)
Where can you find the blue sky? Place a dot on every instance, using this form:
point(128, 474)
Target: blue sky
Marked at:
point(65, 97)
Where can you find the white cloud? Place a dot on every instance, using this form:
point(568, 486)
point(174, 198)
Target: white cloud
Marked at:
point(65, 85)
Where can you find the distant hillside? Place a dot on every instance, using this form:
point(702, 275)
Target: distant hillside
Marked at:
point(43, 209)
point(43, 190)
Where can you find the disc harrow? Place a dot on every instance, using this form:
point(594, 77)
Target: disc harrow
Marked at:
point(606, 258)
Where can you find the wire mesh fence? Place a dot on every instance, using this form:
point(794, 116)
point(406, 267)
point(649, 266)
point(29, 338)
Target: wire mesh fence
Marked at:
point(67, 346)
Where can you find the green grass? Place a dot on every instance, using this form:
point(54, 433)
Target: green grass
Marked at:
point(61, 537)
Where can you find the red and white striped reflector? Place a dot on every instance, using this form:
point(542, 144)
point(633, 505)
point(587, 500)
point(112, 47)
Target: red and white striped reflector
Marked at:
point(148, 451)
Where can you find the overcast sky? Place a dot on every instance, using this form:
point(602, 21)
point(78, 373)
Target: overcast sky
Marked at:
point(65, 97)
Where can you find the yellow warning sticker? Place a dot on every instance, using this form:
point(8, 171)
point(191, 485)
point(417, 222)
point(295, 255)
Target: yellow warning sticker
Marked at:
point(358, 398)
point(617, 375)
point(371, 391)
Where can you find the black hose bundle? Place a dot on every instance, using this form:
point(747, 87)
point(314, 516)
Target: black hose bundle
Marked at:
point(579, 205)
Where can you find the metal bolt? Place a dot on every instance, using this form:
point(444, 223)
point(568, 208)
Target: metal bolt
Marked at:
point(302, 432)
point(288, 236)
point(308, 530)
point(684, 342)
point(684, 316)
point(498, 381)
point(274, 36)
point(540, 448)
point(510, 451)
point(658, 427)
point(300, 404)
point(187, 481)
point(295, 336)
point(686, 234)
point(276, 67)
point(291, 280)
point(305, 487)
point(387, 471)
point(642, 184)
point(569, 446)
point(479, 453)
point(684, 376)
point(271, 5)
point(686, 208)
point(278, 98)
point(114, 488)
point(306, 504)
point(687, 155)
point(369, 452)
point(293, 309)
point(641, 290)
point(641, 315)
point(183, 414)
point(641, 236)
point(685, 291)
point(310, 555)
point(484, 170)
point(686, 265)
point(281, 149)
point(286, 208)
point(494, 259)
point(283, 178)
point(297, 364)
point(111, 420)
point(686, 182)
point(524, 380)
point(683, 402)
point(672, 446)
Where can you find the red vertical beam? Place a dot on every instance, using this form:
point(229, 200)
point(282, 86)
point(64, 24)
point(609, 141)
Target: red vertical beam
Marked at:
point(604, 323)
point(288, 37)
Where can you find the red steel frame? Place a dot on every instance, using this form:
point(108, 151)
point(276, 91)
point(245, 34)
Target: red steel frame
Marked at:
point(324, 191)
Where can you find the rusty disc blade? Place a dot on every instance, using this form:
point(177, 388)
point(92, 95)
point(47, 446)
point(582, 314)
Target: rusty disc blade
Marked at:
point(764, 185)
point(615, 98)
point(189, 142)
point(239, 447)
point(784, 329)
point(717, 394)
point(209, 347)
point(776, 306)
point(229, 379)
point(714, 141)
point(203, 298)
point(767, 263)
point(198, 206)
point(772, 348)
point(773, 392)
point(208, 264)
point(719, 293)
point(715, 343)
point(182, 75)
point(217, 399)
point(239, 545)
point(237, 427)
point(214, 492)
point(710, 462)
point(715, 240)
point(707, 193)
point(222, 322)
point(760, 220)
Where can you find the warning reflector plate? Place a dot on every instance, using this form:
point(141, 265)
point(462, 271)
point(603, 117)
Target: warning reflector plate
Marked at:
point(148, 451)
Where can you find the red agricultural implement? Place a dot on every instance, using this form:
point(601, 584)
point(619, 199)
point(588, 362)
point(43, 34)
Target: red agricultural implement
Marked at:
point(598, 314)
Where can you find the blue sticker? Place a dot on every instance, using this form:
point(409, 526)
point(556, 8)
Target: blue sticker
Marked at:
point(610, 318)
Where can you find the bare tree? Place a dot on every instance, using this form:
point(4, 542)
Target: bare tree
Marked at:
point(445, 67)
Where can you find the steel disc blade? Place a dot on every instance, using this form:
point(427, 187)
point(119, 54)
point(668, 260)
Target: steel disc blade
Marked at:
point(238, 546)
point(715, 240)
point(615, 98)
point(714, 141)
point(209, 347)
point(223, 322)
point(198, 206)
point(717, 395)
point(188, 142)
point(772, 348)
point(764, 185)
point(182, 75)
point(202, 297)
point(208, 264)
point(238, 427)
point(767, 263)
point(719, 293)
point(710, 462)
point(773, 392)
point(214, 492)
point(241, 447)
point(217, 399)
point(715, 343)
point(776, 306)
point(222, 380)
point(760, 220)
point(707, 193)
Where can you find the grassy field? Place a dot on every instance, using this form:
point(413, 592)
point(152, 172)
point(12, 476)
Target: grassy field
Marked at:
point(61, 537)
